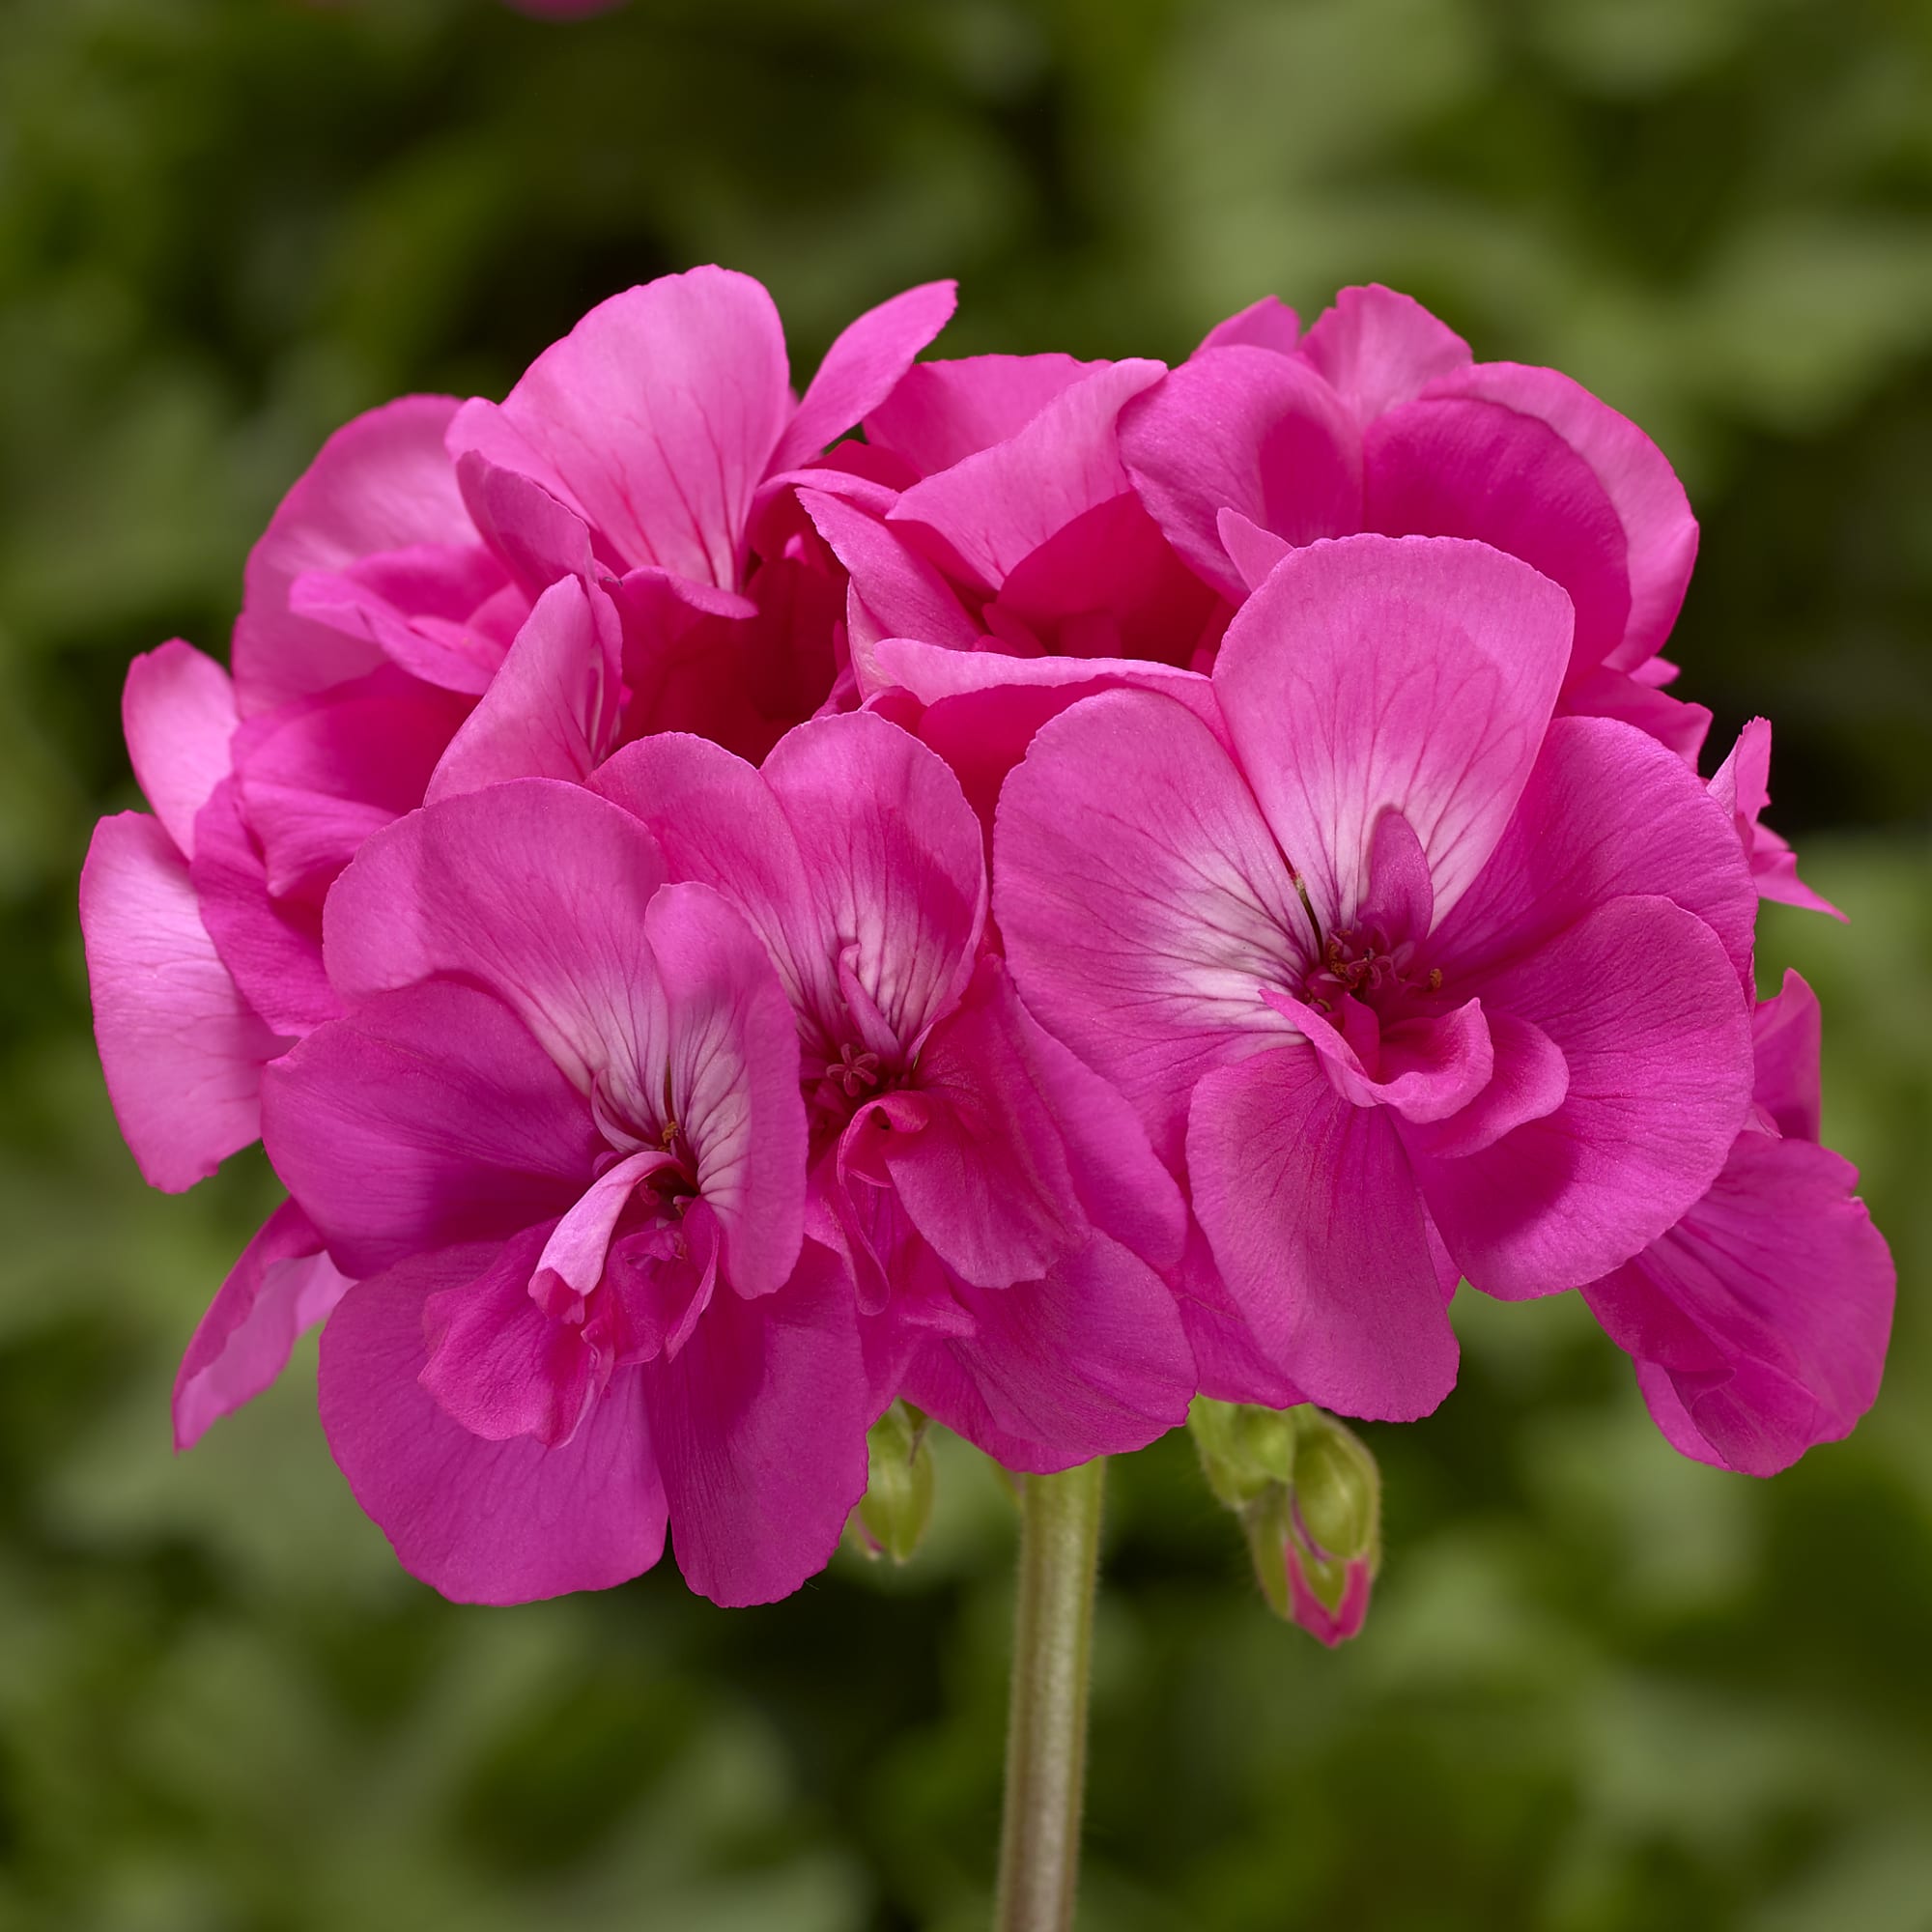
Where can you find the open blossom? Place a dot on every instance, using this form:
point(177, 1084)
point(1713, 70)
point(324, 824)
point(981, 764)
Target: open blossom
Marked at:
point(1408, 981)
point(1002, 1211)
point(557, 1139)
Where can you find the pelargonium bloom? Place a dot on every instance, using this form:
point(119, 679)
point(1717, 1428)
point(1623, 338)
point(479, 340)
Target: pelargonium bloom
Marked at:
point(1380, 419)
point(1408, 981)
point(1759, 1323)
point(1002, 1211)
point(557, 1140)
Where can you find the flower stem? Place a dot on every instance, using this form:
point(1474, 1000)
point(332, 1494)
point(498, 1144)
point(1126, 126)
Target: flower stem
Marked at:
point(1046, 1737)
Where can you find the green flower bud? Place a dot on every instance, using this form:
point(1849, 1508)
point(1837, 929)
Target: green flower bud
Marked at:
point(893, 1514)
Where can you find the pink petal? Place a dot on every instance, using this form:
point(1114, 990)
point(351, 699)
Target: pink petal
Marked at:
point(181, 1049)
point(273, 946)
point(427, 1117)
point(1659, 534)
point(893, 858)
point(1378, 349)
point(657, 416)
point(552, 711)
point(1786, 1034)
point(539, 538)
point(279, 1288)
point(382, 482)
point(759, 1425)
point(1253, 551)
point(1606, 811)
point(1742, 787)
point(864, 367)
point(178, 712)
point(490, 1522)
point(993, 508)
point(1760, 1322)
point(1426, 1069)
point(1643, 1005)
point(942, 413)
point(1317, 1230)
point(1530, 1079)
point(1229, 1360)
point(1249, 430)
point(535, 887)
point(905, 595)
point(1617, 694)
point(1370, 673)
point(1141, 898)
point(1090, 1361)
point(1268, 324)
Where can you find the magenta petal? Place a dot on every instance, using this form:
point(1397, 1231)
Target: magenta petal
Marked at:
point(537, 536)
point(1253, 551)
point(759, 1423)
point(943, 411)
point(1232, 1365)
point(1742, 787)
point(181, 1049)
point(1786, 1034)
point(280, 1288)
point(996, 508)
point(1606, 812)
point(1759, 1323)
point(178, 712)
point(484, 1522)
point(1249, 430)
point(1529, 1078)
point(1374, 672)
point(1090, 1361)
point(862, 368)
point(1141, 899)
point(1643, 1005)
point(1268, 324)
point(905, 595)
point(552, 711)
point(429, 1117)
point(382, 482)
point(1318, 1233)
point(1429, 1068)
point(894, 859)
point(658, 414)
point(1378, 349)
point(483, 884)
point(1617, 694)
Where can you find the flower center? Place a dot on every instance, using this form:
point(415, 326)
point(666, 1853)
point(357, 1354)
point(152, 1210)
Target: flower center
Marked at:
point(1360, 962)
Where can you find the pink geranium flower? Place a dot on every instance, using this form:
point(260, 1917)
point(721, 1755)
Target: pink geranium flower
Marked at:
point(557, 1139)
point(1003, 1214)
point(1407, 980)
point(1380, 419)
point(1759, 1323)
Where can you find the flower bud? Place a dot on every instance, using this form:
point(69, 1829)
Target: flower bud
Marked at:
point(1309, 1499)
point(893, 1514)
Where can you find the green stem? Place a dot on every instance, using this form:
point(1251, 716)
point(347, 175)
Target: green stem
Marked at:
point(1046, 1737)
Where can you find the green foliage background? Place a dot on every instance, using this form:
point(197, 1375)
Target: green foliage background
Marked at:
point(1602, 1687)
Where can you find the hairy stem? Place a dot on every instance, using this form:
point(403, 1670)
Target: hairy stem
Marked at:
point(1046, 1738)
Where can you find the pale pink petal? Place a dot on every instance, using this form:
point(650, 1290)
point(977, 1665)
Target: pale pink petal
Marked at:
point(657, 416)
point(181, 1049)
point(1090, 1361)
point(864, 367)
point(178, 712)
point(1141, 899)
point(1759, 1323)
point(279, 1288)
point(894, 859)
point(1268, 324)
point(382, 482)
point(552, 711)
point(486, 1523)
point(729, 1051)
point(1644, 1006)
point(1317, 1230)
point(1375, 672)
point(943, 411)
point(759, 1426)
point(1786, 1034)
point(992, 509)
point(273, 946)
point(535, 887)
point(1658, 531)
point(1377, 348)
point(427, 1117)
point(1606, 811)
point(1249, 430)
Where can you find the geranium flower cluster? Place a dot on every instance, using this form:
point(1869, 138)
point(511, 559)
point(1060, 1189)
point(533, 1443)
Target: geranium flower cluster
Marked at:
point(1114, 883)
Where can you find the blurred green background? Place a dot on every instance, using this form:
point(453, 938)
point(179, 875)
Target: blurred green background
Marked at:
point(1602, 1687)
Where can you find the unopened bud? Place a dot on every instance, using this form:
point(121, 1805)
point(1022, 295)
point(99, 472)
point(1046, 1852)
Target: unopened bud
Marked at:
point(1309, 1499)
point(898, 1504)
